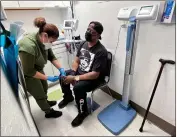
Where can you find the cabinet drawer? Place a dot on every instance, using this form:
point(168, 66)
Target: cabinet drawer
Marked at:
point(58, 56)
point(10, 4)
point(58, 46)
point(63, 58)
point(60, 50)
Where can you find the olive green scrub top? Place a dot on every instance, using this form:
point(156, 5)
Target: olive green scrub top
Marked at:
point(33, 54)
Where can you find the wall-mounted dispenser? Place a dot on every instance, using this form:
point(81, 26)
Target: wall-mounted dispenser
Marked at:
point(169, 15)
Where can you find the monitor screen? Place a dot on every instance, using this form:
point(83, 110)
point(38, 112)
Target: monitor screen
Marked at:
point(68, 24)
point(145, 10)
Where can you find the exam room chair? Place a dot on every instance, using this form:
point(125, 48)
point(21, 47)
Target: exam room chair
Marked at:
point(106, 81)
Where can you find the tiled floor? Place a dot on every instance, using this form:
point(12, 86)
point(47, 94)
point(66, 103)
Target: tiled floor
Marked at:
point(91, 126)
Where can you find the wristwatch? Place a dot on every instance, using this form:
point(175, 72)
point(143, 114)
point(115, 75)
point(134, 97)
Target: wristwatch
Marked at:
point(76, 78)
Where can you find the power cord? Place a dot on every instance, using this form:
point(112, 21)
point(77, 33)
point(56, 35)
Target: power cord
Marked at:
point(114, 58)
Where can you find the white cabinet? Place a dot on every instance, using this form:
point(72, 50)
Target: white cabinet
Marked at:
point(48, 69)
point(34, 4)
point(10, 4)
point(63, 4)
point(64, 60)
point(51, 4)
point(63, 57)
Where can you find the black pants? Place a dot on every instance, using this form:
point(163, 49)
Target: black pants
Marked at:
point(80, 91)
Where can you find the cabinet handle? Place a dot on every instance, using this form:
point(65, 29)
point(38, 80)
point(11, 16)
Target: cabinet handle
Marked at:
point(58, 47)
point(60, 52)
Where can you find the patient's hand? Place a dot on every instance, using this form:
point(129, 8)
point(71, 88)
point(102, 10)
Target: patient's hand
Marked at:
point(68, 79)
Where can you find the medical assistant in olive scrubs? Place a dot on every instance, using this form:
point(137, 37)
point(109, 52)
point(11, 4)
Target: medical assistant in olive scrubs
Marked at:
point(34, 55)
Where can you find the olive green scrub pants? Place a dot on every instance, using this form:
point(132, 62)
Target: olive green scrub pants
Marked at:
point(38, 89)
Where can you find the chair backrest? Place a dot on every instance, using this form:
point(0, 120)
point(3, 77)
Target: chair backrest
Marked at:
point(108, 68)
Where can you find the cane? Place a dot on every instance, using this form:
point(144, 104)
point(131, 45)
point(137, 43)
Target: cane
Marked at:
point(163, 62)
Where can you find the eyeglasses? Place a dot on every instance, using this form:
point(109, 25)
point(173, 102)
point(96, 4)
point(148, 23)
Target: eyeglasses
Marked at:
point(93, 32)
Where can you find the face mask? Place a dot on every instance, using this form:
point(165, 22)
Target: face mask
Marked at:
point(88, 36)
point(47, 45)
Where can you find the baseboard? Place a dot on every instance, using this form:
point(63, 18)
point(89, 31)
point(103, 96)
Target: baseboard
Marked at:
point(162, 124)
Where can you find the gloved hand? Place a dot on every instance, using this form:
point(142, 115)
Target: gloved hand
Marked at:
point(53, 78)
point(62, 72)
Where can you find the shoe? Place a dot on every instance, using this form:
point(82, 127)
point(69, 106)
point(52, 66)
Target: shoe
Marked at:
point(79, 119)
point(53, 114)
point(52, 103)
point(65, 102)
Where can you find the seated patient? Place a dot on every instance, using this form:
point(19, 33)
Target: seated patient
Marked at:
point(87, 71)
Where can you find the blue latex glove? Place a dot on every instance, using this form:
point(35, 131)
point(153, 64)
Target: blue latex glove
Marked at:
point(62, 72)
point(53, 78)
